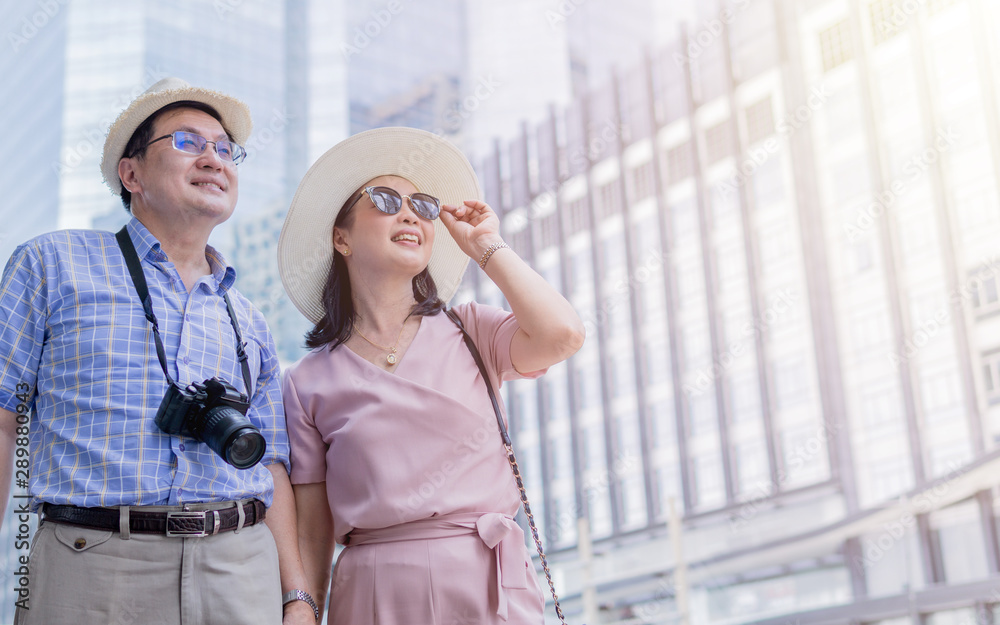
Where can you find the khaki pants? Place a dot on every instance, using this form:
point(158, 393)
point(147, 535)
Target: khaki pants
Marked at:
point(89, 576)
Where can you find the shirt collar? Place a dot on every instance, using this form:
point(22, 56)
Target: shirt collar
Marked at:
point(148, 247)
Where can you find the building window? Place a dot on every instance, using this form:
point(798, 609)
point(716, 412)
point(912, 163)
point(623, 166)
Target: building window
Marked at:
point(725, 202)
point(666, 486)
point(588, 387)
point(744, 389)
point(942, 395)
point(608, 199)
point(936, 6)
point(709, 483)
point(760, 120)
point(560, 462)
point(520, 241)
point(718, 142)
point(752, 475)
point(685, 221)
point(577, 213)
point(656, 360)
point(984, 292)
point(881, 407)
point(593, 448)
point(549, 227)
point(613, 254)
point(563, 520)
point(888, 477)
point(804, 453)
point(633, 501)
point(581, 272)
point(600, 515)
point(703, 418)
point(641, 182)
point(991, 376)
point(836, 45)
point(768, 182)
point(679, 163)
point(662, 426)
point(976, 209)
point(622, 375)
point(791, 385)
point(885, 23)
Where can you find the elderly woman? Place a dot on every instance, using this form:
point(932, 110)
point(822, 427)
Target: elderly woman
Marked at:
point(396, 452)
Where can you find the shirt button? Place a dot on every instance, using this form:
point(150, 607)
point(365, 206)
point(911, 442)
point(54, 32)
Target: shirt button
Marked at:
point(182, 447)
point(80, 543)
point(186, 360)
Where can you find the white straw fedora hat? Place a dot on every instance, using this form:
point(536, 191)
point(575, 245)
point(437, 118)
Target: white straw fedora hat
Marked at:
point(234, 113)
point(432, 164)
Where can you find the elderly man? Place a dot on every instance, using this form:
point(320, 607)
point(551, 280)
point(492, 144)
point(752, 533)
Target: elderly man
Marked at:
point(148, 390)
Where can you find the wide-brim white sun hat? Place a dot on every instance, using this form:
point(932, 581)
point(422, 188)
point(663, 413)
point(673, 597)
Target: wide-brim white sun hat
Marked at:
point(434, 166)
point(234, 113)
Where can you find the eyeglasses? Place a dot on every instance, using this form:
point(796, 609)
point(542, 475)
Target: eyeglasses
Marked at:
point(196, 144)
point(389, 201)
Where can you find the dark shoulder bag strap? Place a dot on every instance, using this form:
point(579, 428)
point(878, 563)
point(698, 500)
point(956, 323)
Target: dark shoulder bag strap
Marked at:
point(510, 458)
point(139, 282)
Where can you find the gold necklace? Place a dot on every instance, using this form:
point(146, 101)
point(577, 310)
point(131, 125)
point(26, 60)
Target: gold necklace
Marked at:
point(391, 356)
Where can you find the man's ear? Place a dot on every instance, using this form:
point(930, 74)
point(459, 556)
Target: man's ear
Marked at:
point(129, 176)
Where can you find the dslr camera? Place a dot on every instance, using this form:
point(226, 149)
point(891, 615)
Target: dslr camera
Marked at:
point(214, 413)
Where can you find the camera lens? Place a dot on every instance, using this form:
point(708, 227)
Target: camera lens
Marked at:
point(232, 436)
point(246, 449)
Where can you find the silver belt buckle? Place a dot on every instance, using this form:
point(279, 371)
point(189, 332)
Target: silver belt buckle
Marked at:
point(203, 515)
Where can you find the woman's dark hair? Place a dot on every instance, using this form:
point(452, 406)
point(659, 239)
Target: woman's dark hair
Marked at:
point(136, 146)
point(337, 323)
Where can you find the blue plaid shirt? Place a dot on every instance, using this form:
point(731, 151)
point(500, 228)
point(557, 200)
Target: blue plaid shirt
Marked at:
point(72, 329)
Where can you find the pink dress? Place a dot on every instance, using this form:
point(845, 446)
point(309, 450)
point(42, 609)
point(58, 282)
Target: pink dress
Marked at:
point(418, 482)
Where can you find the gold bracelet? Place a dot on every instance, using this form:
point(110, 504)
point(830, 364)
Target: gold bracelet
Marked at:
point(489, 252)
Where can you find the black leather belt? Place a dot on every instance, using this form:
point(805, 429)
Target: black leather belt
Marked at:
point(182, 523)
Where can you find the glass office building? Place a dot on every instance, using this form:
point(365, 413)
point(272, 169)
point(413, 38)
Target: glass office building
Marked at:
point(780, 232)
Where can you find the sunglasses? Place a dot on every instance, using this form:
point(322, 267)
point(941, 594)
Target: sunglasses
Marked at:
point(196, 144)
point(389, 201)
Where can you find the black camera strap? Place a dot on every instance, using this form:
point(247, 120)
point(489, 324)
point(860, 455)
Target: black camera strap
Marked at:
point(139, 281)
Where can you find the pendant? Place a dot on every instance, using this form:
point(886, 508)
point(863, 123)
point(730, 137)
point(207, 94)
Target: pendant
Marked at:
point(391, 358)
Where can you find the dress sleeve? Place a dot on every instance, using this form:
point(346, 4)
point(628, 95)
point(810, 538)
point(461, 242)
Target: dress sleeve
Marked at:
point(308, 447)
point(23, 321)
point(492, 329)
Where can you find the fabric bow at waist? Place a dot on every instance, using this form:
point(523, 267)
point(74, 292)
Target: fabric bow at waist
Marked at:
point(498, 531)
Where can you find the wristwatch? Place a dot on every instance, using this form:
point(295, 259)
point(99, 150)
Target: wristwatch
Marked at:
point(300, 595)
